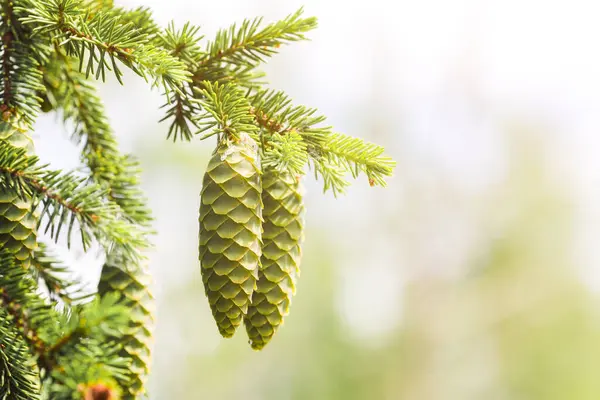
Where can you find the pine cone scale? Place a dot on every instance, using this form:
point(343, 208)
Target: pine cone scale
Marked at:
point(137, 337)
point(18, 221)
point(282, 233)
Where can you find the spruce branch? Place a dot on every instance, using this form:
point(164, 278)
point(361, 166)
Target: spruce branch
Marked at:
point(67, 198)
point(332, 174)
point(285, 152)
point(141, 18)
point(91, 364)
point(11, 296)
point(230, 58)
point(332, 152)
point(29, 313)
point(99, 318)
point(109, 168)
point(226, 112)
point(102, 39)
point(52, 272)
point(357, 155)
point(181, 107)
point(19, 377)
point(274, 111)
point(183, 43)
point(248, 46)
point(182, 112)
point(83, 352)
point(19, 73)
point(54, 337)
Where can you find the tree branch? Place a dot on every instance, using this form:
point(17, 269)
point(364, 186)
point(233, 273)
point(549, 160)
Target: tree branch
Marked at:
point(67, 198)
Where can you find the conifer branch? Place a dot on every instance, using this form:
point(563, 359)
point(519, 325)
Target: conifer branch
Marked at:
point(98, 319)
point(140, 18)
point(50, 334)
point(285, 152)
point(248, 46)
point(82, 331)
point(359, 156)
point(332, 153)
point(29, 313)
point(182, 109)
point(103, 39)
point(108, 167)
point(275, 113)
point(332, 174)
point(182, 112)
point(52, 273)
point(291, 134)
point(226, 112)
point(231, 58)
point(19, 319)
point(183, 43)
point(66, 199)
point(88, 362)
point(19, 377)
point(21, 79)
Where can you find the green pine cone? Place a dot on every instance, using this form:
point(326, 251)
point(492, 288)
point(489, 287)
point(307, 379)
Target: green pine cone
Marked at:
point(137, 339)
point(230, 232)
point(18, 223)
point(282, 234)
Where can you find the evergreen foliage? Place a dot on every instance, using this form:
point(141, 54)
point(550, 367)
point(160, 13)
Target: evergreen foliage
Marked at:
point(56, 342)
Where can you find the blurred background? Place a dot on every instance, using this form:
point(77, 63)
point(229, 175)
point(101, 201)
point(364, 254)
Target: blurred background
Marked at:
point(474, 275)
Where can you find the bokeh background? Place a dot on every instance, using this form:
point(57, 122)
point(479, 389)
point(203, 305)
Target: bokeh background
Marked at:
point(474, 275)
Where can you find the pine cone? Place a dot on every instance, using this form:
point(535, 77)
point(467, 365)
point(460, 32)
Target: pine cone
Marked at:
point(137, 339)
point(282, 233)
point(230, 230)
point(18, 223)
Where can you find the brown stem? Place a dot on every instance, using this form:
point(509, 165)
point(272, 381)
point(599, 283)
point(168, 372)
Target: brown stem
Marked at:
point(267, 122)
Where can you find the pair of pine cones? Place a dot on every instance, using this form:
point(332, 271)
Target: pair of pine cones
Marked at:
point(250, 233)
